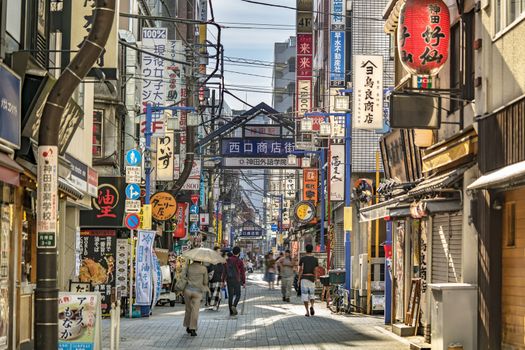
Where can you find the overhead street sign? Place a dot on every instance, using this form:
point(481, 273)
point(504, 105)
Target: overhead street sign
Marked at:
point(258, 163)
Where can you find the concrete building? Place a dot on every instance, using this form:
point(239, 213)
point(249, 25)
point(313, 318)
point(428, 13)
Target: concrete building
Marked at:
point(284, 76)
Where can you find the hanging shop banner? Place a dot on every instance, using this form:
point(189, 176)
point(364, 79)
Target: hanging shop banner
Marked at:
point(156, 276)
point(79, 321)
point(97, 252)
point(287, 204)
point(153, 74)
point(82, 11)
point(239, 147)
point(193, 183)
point(144, 268)
point(423, 36)
point(10, 107)
point(368, 92)
point(108, 205)
point(165, 160)
point(310, 183)
point(337, 59)
point(121, 275)
point(181, 217)
point(163, 206)
point(337, 16)
point(289, 184)
point(337, 172)
point(79, 173)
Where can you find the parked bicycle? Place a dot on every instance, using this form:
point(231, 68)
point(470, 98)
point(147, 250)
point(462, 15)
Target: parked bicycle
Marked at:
point(340, 299)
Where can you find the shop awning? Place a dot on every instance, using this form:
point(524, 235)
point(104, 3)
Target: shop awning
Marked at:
point(440, 181)
point(9, 170)
point(381, 210)
point(67, 187)
point(436, 206)
point(502, 177)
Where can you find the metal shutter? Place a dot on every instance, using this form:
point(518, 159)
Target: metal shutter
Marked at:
point(339, 248)
point(446, 248)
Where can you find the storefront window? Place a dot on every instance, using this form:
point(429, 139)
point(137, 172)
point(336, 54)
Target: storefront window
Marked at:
point(98, 123)
point(6, 230)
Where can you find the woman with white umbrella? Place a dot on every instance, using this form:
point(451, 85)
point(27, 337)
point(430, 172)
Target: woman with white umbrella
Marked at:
point(196, 284)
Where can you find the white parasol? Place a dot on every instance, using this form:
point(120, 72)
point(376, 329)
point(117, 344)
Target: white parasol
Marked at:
point(205, 255)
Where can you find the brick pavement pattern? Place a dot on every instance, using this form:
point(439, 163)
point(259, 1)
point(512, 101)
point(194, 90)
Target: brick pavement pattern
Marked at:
point(267, 323)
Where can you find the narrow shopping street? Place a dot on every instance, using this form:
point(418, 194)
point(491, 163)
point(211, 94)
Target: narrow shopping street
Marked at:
point(267, 323)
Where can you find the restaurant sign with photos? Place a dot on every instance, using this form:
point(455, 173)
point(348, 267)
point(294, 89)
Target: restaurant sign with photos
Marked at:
point(368, 106)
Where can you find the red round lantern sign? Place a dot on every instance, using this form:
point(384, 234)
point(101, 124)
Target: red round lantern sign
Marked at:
point(423, 36)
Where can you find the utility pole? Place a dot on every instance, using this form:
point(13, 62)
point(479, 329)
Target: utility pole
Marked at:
point(46, 293)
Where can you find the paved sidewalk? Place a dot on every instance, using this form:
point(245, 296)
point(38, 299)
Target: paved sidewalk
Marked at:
point(267, 323)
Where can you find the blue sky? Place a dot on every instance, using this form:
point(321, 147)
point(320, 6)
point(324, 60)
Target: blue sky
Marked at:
point(251, 43)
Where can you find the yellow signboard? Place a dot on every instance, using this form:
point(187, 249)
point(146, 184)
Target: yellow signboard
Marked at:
point(348, 217)
point(145, 217)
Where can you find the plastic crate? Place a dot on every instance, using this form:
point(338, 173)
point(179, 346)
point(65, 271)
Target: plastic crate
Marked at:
point(337, 276)
point(325, 280)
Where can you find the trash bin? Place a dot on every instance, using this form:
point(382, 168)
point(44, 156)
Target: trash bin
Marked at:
point(337, 276)
point(453, 315)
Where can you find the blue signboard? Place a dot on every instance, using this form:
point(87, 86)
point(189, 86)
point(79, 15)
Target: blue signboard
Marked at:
point(194, 209)
point(274, 227)
point(238, 147)
point(132, 191)
point(10, 108)
point(133, 157)
point(194, 227)
point(337, 58)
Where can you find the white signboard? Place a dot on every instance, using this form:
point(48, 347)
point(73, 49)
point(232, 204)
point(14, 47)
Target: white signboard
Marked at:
point(204, 219)
point(286, 213)
point(153, 71)
point(47, 201)
point(304, 98)
point(337, 172)
point(193, 183)
point(289, 184)
point(121, 280)
point(338, 14)
point(165, 160)
point(133, 174)
point(194, 217)
point(132, 206)
point(368, 92)
point(262, 162)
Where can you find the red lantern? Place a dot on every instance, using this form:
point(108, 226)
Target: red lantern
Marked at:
point(423, 36)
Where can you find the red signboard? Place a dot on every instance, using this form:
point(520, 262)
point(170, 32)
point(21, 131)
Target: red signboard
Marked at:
point(180, 216)
point(423, 36)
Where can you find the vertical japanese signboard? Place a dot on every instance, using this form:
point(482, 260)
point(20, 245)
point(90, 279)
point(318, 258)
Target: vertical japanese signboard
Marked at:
point(368, 92)
point(83, 11)
point(289, 184)
point(194, 180)
point(98, 257)
point(310, 183)
point(47, 197)
point(337, 172)
point(153, 70)
point(337, 43)
point(304, 63)
point(181, 216)
point(144, 268)
point(165, 160)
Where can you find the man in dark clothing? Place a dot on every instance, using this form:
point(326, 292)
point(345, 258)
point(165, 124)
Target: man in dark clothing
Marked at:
point(234, 276)
point(308, 275)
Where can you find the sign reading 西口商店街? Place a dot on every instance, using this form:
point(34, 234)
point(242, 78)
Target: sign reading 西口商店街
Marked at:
point(257, 147)
point(368, 92)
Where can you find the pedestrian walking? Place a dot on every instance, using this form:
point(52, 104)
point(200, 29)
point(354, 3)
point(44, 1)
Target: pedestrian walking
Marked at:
point(234, 276)
point(279, 277)
point(270, 268)
point(308, 275)
point(285, 265)
point(196, 286)
point(216, 272)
